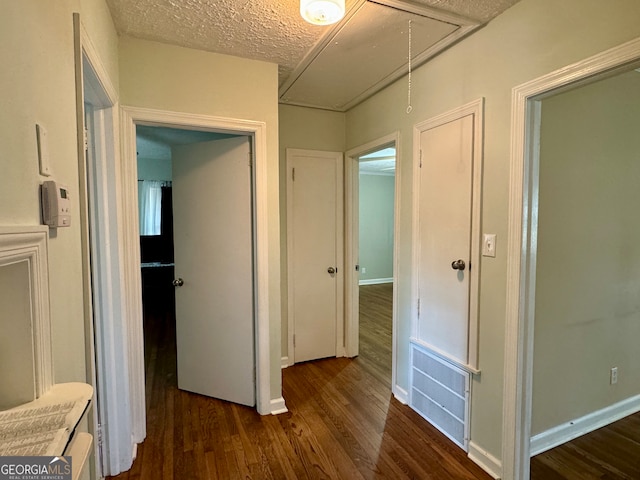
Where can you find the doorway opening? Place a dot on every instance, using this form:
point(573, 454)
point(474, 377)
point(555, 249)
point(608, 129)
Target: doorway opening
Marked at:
point(376, 205)
point(190, 244)
point(371, 239)
point(523, 242)
point(154, 158)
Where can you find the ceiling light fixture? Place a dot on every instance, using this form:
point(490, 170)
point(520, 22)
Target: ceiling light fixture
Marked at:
point(322, 12)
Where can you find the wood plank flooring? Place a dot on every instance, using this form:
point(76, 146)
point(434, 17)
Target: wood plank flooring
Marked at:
point(342, 422)
point(611, 453)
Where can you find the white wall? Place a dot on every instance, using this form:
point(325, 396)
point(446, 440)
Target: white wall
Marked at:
point(532, 38)
point(376, 194)
point(165, 77)
point(587, 303)
point(38, 86)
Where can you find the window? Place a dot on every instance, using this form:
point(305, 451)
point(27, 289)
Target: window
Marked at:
point(149, 203)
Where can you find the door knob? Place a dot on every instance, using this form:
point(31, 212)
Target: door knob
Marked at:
point(331, 270)
point(178, 282)
point(458, 264)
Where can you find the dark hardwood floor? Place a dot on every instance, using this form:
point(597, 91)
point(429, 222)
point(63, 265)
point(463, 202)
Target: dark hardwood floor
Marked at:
point(343, 422)
point(611, 453)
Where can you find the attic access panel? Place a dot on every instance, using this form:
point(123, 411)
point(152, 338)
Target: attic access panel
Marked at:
point(368, 51)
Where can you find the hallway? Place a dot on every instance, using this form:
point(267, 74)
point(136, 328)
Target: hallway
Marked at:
point(342, 422)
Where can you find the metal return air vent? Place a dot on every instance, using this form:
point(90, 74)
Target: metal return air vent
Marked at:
point(440, 393)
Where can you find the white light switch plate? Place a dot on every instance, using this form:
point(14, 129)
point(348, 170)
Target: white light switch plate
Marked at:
point(489, 245)
point(43, 151)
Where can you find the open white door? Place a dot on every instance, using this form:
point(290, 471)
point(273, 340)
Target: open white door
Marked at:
point(212, 211)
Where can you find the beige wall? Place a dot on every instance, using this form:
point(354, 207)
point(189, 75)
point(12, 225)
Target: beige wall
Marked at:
point(529, 40)
point(163, 77)
point(309, 129)
point(376, 208)
point(38, 86)
point(587, 306)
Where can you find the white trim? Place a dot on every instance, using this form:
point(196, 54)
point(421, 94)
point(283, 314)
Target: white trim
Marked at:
point(375, 281)
point(284, 362)
point(588, 423)
point(132, 115)
point(131, 275)
point(340, 265)
point(518, 359)
point(352, 322)
point(485, 460)
point(278, 406)
point(476, 110)
point(90, 51)
point(29, 244)
point(109, 304)
point(104, 346)
point(401, 394)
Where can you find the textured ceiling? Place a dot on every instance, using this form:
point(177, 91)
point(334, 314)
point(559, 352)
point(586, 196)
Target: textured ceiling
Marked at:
point(267, 30)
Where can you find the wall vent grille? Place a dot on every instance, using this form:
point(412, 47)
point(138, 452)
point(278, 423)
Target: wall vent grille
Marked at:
point(440, 393)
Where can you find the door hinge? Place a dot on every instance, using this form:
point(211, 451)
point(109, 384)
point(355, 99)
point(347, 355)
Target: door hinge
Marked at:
point(418, 308)
point(294, 340)
point(420, 164)
point(293, 174)
point(250, 159)
point(85, 139)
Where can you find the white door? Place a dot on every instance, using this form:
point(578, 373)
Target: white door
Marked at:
point(212, 211)
point(314, 216)
point(444, 237)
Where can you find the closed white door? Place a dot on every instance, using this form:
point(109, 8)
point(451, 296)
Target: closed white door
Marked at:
point(314, 216)
point(212, 211)
point(444, 245)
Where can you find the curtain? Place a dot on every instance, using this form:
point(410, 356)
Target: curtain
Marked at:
point(149, 203)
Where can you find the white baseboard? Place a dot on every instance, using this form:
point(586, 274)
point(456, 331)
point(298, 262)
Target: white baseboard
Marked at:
point(284, 362)
point(375, 281)
point(568, 431)
point(278, 406)
point(401, 395)
point(485, 460)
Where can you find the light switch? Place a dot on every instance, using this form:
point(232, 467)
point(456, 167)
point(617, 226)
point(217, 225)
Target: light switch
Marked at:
point(43, 151)
point(489, 245)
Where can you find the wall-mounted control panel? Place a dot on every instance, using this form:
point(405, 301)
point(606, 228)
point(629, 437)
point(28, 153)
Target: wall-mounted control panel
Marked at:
point(55, 205)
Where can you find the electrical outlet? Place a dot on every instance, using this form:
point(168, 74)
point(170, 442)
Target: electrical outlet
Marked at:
point(614, 375)
point(363, 270)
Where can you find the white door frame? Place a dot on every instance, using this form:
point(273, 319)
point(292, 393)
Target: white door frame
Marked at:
point(130, 116)
point(352, 277)
point(475, 109)
point(337, 157)
point(112, 445)
point(522, 241)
